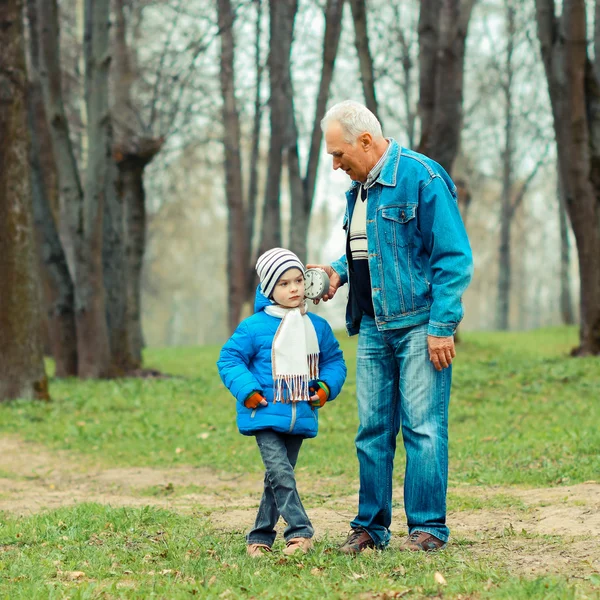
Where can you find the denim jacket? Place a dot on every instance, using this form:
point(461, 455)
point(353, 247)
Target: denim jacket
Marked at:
point(419, 254)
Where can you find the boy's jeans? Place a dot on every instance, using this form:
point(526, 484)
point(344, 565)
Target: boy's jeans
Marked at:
point(397, 384)
point(279, 453)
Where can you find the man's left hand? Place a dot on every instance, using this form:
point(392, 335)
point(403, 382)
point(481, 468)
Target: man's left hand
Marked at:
point(441, 351)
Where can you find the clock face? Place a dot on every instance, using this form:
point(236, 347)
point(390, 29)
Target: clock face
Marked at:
point(316, 283)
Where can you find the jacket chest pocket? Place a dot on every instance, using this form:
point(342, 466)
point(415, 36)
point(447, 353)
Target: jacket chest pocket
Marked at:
point(399, 224)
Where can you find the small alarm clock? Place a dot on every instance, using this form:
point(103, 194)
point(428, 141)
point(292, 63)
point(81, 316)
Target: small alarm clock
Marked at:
point(316, 283)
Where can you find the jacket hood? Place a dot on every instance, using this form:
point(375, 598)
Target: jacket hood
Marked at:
point(260, 300)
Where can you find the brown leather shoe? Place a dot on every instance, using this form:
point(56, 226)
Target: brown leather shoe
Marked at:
point(357, 541)
point(420, 541)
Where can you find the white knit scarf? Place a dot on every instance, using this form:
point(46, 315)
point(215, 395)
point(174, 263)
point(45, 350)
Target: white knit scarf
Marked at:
point(295, 354)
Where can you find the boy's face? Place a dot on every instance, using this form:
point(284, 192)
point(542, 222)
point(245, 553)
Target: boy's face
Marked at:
point(289, 290)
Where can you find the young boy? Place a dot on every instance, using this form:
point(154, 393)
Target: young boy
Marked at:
point(282, 364)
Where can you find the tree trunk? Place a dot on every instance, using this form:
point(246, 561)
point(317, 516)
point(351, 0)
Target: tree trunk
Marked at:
point(575, 98)
point(365, 60)
point(70, 190)
point(303, 189)
point(237, 242)
point(251, 278)
point(133, 152)
point(131, 190)
point(59, 294)
point(429, 31)
point(506, 214)
point(281, 26)
point(443, 27)
point(566, 299)
point(22, 374)
point(93, 338)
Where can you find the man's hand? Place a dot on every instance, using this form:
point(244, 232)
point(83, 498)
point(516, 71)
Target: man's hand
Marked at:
point(441, 351)
point(334, 281)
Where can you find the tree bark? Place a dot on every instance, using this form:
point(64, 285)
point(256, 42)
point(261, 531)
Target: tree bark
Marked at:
point(443, 27)
point(133, 151)
point(575, 99)
point(59, 294)
point(94, 344)
point(302, 189)
point(251, 278)
point(365, 60)
point(22, 374)
point(237, 242)
point(69, 183)
point(281, 26)
point(506, 213)
point(566, 298)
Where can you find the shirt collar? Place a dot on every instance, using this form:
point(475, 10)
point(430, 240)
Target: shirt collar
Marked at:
point(376, 170)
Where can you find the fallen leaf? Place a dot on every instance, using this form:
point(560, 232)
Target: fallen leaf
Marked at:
point(203, 436)
point(178, 450)
point(316, 571)
point(439, 578)
point(166, 571)
point(212, 580)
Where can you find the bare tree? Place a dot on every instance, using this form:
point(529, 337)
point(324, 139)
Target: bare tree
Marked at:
point(282, 14)
point(574, 88)
point(566, 300)
point(22, 374)
point(511, 198)
point(135, 146)
point(84, 212)
point(57, 282)
point(443, 27)
point(365, 60)
point(238, 245)
point(302, 187)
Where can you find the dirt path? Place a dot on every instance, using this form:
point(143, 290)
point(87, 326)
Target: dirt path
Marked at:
point(556, 530)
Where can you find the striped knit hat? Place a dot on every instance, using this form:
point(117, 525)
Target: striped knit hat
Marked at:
point(271, 265)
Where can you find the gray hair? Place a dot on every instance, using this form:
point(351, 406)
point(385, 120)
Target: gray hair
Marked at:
point(355, 118)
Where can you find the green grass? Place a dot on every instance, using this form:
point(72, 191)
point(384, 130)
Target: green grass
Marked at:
point(522, 411)
point(94, 551)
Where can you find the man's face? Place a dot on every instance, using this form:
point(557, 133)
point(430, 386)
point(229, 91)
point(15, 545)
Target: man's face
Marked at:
point(351, 158)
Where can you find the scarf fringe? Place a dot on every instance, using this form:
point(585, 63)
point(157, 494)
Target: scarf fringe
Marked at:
point(294, 388)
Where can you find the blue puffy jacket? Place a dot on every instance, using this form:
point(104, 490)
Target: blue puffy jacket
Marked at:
point(245, 366)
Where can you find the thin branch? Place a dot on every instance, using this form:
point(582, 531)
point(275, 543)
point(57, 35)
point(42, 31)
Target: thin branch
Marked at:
point(160, 69)
point(523, 190)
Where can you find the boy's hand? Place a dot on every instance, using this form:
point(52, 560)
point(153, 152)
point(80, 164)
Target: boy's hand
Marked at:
point(320, 393)
point(254, 400)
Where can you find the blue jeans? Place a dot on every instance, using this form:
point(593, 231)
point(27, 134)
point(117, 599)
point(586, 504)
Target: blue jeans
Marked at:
point(396, 384)
point(279, 452)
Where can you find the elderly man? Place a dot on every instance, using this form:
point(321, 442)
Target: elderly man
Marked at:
point(407, 262)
